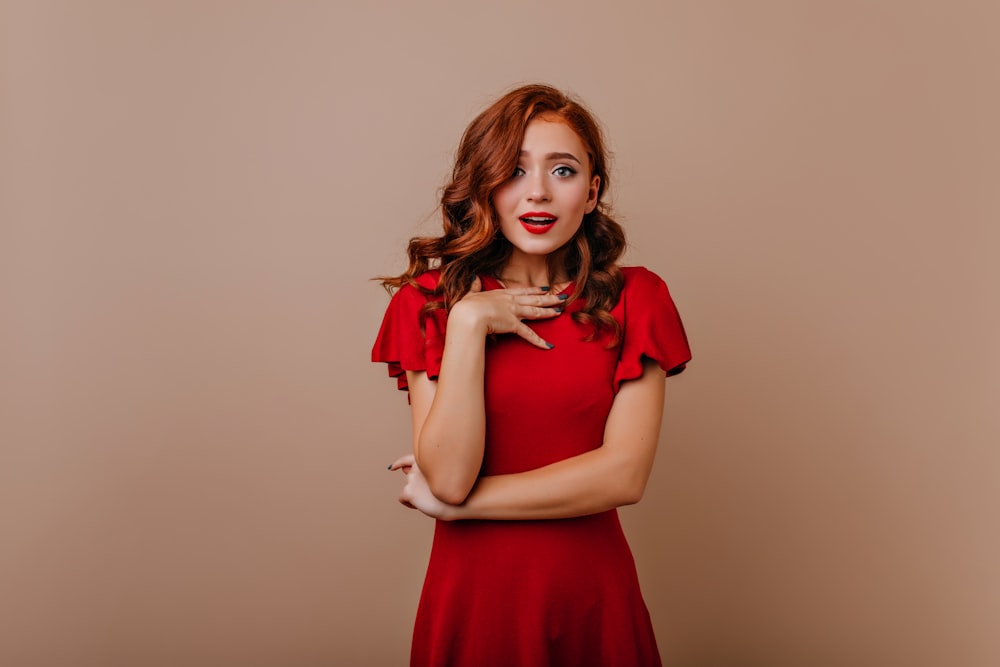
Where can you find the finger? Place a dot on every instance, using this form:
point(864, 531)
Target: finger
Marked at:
point(541, 300)
point(528, 291)
point(477, 285)
point(536, 312)
point(528, 334)
point(404, 461)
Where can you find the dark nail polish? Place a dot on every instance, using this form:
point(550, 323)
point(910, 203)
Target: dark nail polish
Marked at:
point(563, 297)
point(389, 467)
point(545, 288)
point(550, 345)
point(559, 310)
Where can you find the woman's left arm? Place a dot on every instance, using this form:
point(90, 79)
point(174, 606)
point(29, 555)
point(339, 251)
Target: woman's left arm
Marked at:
point(610, 476)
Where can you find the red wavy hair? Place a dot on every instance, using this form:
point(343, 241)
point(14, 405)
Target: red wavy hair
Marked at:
point(472, 244)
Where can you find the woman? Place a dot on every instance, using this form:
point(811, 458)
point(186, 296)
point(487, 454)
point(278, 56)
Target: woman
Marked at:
point(535, 368)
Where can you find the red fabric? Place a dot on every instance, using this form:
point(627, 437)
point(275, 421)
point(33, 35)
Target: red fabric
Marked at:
point(538, 593)
point(400, 342)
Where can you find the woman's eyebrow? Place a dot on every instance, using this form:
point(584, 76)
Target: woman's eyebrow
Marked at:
point(556, 156)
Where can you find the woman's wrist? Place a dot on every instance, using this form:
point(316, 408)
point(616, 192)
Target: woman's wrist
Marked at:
point(464, 320)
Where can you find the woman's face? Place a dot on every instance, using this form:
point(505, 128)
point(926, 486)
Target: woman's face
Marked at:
point(542, 205)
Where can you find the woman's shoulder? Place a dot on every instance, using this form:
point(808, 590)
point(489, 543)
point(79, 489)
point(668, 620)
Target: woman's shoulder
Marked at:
point(411, 338)
point(429, 279)
point(410, 299)
point(424, 284)
point(651, 326)
point(635, 272)
point(639, 278)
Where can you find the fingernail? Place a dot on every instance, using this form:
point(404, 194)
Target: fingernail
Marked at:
point(389, 467)
point(550, 345)
point(563, 297)
point(559, 310)
point(545, 288)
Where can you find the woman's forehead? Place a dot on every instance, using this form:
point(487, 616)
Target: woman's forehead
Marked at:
point(552, 138)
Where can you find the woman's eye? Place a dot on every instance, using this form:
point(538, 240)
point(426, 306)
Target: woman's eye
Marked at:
point(564, 171)
point(517, 172)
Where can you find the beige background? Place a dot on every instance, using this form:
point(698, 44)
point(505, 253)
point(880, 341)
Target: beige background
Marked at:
point(194, 196)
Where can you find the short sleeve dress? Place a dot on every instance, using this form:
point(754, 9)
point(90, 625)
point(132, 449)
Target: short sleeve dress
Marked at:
point(550, 592)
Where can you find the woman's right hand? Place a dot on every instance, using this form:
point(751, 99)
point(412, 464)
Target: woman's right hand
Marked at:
point(504, 311)
point(416, 494)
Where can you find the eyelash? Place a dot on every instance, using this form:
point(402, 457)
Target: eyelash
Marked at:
point(569, 171)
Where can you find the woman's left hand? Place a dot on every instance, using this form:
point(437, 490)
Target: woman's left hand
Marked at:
point(416, 494)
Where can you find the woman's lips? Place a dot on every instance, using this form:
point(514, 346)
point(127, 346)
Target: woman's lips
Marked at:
point(538, 222)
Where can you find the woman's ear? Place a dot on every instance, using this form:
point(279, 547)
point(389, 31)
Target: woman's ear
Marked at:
point(595, 188)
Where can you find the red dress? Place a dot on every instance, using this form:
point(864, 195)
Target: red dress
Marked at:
point(537, 593)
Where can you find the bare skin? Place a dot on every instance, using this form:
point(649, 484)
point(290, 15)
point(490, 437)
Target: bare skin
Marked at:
point(448, 415)
point(610, 476)
point(449, 420)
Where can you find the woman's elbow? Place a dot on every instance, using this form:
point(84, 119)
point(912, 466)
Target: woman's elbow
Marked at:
point(632, 492)
point(449, 478)
point(632, 483)
point(452, 489)
point(450, 494)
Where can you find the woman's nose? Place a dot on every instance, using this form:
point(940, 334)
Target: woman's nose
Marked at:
point(538, 189)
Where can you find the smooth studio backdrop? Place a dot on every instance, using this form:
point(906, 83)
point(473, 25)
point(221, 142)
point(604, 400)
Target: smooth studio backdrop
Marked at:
point(195, 195)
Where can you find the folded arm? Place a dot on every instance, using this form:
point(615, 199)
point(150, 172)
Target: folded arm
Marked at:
point(449, 420)
point(612, 475)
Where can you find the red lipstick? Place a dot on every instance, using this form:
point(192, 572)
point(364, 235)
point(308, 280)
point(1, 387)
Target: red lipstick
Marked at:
point(538, 222)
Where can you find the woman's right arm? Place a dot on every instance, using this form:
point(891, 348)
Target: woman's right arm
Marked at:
point(449, 416)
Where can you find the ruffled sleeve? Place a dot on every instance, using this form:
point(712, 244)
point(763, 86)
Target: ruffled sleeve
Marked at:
point(401, 344)
point(651, 327)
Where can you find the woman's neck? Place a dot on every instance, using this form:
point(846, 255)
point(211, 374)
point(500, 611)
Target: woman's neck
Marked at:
point(530, 271)
point(522, 279)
